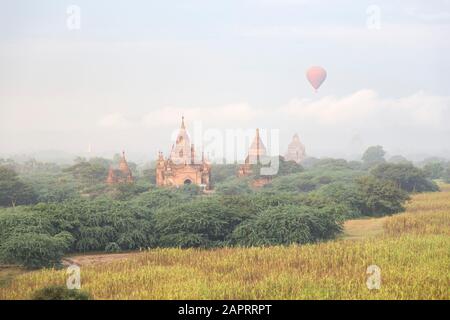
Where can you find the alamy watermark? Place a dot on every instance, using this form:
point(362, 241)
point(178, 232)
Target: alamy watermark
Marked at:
point(73, 21)
point(74, 277)
point(373, 281)
point(373, 20)
point(237, 146)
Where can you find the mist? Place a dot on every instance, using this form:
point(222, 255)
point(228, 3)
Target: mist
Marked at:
point(108, 77)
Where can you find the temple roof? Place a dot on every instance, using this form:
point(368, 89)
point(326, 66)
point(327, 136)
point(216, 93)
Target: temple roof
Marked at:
point(123, 164)
point(296, 150)
point(296, 143)
point(256, 150)
point(181, 151)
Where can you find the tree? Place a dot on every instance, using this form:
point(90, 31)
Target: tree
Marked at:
point(446, 174)
point(373, 156)
point(287, 225)
point(201, 223)
point(112, 247)
point(380, 197)
point(88, 172)
point(34, 250)
point(222, 172)
point(288, 167)
point(13, 191)
point(347, 194)
point(234, 186)
point(434, 170)
point(405, 176)
point(126, 191)
point(398, 159)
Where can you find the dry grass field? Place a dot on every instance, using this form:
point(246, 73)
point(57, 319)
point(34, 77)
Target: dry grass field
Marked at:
point(412, 249)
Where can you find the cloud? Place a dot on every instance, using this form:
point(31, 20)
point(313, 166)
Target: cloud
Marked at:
point(170, 116)
point(363, 108)
point(367, 109)
point(394, 35)
point(280, 2)
point(428, 16)
point(114, 120)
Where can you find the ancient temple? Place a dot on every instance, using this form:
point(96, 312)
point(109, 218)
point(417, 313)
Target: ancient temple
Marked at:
point(256, 151)
point(182, 166)
point(120, 173)
point(296, 150)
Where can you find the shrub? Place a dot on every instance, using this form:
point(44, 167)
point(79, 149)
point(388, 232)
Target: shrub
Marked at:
point(380, 197)
point(60, 293)
point(221, 172)
point(12, 190)
point(287, 225)
point(314, 178)
point(446, 175)
point(405, 176)
point(373, 156)
point(34, 250)
point(112, 247)
point(234, 186)
point(202, 223)
point(434, 170)
point(347, 194)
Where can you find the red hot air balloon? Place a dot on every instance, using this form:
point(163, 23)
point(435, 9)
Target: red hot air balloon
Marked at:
point(316, 76)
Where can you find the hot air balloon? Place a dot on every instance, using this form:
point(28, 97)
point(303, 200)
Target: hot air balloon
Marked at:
point(316, 76)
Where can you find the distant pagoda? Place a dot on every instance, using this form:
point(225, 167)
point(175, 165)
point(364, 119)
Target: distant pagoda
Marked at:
point(296, 150)
point(121, 173)
point(256, 151)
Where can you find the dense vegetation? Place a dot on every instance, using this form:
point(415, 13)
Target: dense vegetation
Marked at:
point(51, 210)
point(412, 250)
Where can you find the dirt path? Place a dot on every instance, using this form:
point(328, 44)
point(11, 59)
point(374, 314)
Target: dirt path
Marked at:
point(88, 259)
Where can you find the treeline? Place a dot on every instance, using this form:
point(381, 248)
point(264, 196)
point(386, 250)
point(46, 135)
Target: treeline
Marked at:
point(39, 235)
point(73, 210)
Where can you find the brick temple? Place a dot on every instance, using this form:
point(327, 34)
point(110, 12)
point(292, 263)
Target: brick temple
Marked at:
point(121, 173)
point(182, 167)
point(296, 150)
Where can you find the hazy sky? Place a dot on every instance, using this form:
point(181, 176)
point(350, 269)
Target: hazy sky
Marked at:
point(123, 79)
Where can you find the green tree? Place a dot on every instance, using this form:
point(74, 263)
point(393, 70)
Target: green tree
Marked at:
point(346, 194)
point(34, 250)
point(405, 176)
point(287, 225)
point(373, 156)
point(12, 190)
point(234, 186)
point(201, 223)
point(435, 170)
point(446, 174)
point(222, 172)
point(87, 172)
point(380, 197)
point(398, 159)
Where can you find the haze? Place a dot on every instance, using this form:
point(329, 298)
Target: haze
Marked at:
point(124, 78)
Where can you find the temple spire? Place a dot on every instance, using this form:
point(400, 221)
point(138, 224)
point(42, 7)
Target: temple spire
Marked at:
point(256, 150)
point(296, 150)
point(257, 143)
point(182, 123)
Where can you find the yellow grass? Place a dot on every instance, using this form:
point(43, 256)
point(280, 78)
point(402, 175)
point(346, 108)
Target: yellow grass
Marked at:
point(359, 229)
point(412, 249)
point(426, 213)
